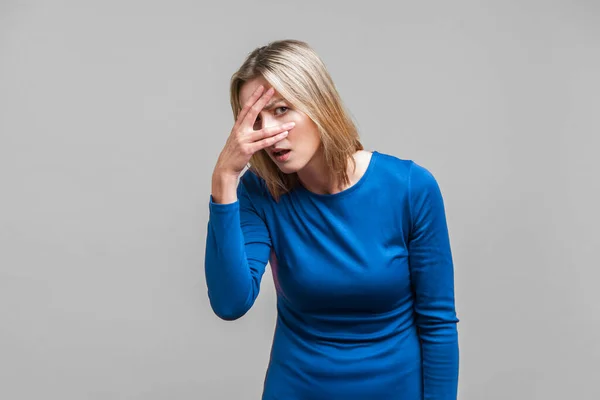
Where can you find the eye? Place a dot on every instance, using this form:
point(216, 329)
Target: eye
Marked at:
point(278, 108)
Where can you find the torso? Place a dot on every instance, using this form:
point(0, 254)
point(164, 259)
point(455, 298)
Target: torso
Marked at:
point(340, 267)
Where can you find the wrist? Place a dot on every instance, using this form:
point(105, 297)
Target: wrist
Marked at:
point(224, 176)
point(224, 187)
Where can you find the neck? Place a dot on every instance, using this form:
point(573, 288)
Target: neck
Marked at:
point(315, 175)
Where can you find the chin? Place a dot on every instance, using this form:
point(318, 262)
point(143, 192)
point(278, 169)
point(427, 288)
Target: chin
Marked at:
point(287, 170)
point(289, 167)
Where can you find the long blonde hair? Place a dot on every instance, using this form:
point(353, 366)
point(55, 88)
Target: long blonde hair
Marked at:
point(295, 70)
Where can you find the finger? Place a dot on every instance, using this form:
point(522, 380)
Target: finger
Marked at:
point(257, 93)
point(256, 108)
point(270, 141)
point(269, 131)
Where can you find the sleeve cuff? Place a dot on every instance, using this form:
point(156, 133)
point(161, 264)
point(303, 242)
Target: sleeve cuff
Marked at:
point(222, 208)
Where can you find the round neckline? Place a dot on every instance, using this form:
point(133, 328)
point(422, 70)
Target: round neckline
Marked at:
point(346, 191)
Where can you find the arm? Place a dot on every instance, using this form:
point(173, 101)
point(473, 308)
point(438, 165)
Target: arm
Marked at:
point(432, 277)
point(237, 251)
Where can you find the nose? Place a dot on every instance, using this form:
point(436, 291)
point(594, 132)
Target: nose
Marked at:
point(267, 121)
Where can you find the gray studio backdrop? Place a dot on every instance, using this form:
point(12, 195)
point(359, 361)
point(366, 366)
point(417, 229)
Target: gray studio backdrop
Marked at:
point(113, 114)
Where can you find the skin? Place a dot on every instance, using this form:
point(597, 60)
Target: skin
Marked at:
point(306, 157)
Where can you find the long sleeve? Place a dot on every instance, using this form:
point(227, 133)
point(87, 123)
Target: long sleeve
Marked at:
point(432, 277)
point(237, 251)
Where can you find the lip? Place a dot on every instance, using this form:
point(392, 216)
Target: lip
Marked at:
point(284, 157)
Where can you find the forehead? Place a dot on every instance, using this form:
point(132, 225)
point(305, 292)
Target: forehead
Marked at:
point(250, 86)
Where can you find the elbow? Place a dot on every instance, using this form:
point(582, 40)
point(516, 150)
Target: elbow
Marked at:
point(437, 325)
point(434, 321)
point(227, 311)
point(228, 315)
point(441, 330)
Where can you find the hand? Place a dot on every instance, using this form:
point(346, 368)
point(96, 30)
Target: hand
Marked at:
point(244, 141)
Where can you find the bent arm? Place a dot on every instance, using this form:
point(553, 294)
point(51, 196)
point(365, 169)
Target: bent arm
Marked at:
point(237, 251)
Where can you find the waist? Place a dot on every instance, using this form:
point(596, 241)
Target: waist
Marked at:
point(340, 342)
point(386, 365)
point(346, 326)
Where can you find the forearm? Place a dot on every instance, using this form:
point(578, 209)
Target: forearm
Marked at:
point(227, 272)
point(238, 246)
point(440, 353)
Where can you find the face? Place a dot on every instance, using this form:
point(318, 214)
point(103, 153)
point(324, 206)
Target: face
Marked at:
point(303, 139)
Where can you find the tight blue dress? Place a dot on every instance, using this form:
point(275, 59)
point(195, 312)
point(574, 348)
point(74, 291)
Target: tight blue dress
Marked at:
point(364, 282)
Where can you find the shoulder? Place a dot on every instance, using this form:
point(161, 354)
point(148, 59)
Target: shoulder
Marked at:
point(424, 192)
point(249, 178)
point(394, 167)
point(422, 180)
point(253, 185)
point(416, 176)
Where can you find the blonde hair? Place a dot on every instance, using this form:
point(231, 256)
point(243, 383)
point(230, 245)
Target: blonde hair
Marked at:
point(295, 70)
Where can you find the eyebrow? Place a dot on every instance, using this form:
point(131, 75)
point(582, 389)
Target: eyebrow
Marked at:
point(272, 103)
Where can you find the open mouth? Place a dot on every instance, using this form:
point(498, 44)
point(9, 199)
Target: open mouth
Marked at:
point(280, 153)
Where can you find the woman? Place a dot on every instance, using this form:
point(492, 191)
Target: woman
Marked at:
point(357, 242)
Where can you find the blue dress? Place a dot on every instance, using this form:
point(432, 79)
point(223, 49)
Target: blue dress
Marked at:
point(364, 282)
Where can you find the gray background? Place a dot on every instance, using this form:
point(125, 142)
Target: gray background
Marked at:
point(113, 115)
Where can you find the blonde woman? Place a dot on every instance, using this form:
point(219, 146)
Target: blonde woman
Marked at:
point(357, 242)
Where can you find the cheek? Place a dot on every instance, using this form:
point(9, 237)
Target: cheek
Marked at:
point(293, 136)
